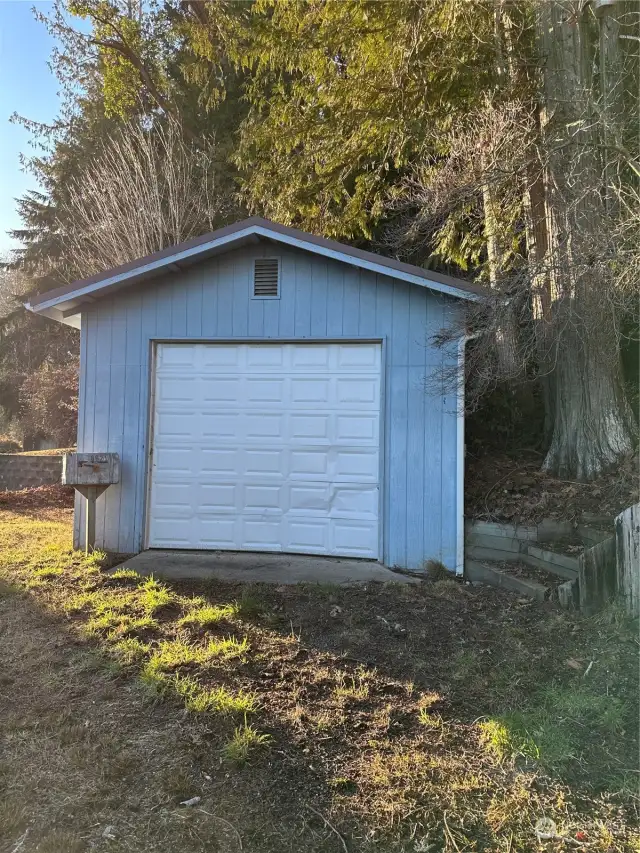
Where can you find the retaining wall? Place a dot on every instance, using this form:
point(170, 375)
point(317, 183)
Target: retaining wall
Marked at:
point(18, 471)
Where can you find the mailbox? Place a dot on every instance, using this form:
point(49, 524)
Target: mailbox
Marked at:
point(90, 469)
point(90, 474)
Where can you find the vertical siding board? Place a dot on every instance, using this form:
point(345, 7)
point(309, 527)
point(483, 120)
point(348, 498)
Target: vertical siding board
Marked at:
point(415, 468)
point(351, 302)
point(433, 437)
point(130, 457)
point(417, 341)
point(240, 319)
point(367, 306)
point(319, 275)
point(148, 331)
point(335, 296)
point(209, 299)
point(163, 310)
point(399, 425)
point(397, 450)
point(256, 316)
point(384, 327)
point(449, 411)
point(102, 401)
point(224, 325)
point(115, 426)
point(302, 324)
point(180, 285)
point(194, 303)
point(78, 514)
point(287, 303)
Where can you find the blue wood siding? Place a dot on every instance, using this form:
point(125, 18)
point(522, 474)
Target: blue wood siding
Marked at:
point(318, 299)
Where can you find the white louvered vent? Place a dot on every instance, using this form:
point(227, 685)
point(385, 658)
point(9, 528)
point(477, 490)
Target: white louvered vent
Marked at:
point(266, 278)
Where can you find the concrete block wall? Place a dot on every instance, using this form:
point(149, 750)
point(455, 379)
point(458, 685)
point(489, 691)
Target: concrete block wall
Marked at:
point(18, 471)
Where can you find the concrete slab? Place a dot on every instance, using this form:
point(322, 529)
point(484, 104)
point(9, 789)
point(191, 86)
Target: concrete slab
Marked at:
point(250, 567)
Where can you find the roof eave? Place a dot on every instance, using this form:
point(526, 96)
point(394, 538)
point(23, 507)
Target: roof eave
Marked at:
point(61, 307)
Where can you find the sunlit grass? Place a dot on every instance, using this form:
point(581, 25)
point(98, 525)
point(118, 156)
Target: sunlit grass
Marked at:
point(246, 739)
point(208, 616)
point(216, 700)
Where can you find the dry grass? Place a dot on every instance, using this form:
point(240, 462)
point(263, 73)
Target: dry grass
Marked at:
point(121, 696)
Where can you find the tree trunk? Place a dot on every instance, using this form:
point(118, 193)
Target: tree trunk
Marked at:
point(592, 420)
point(507, 335)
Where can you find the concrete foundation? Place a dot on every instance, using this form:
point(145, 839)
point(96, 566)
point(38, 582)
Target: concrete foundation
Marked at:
point(250, 567)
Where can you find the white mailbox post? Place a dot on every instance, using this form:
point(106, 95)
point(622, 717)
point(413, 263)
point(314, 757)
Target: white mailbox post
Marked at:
point(90, 474)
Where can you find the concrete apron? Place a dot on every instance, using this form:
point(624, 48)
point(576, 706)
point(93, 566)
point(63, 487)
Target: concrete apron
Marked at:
point(250, 567)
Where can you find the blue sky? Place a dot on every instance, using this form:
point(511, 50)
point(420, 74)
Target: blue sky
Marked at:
point(27, 87)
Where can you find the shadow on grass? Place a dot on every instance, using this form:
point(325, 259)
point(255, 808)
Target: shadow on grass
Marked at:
point(405, 716)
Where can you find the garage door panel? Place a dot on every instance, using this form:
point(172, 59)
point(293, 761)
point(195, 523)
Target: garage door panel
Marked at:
point(221, 460)
point(263, 497)
point(358, 390)
point(308, 497)
point(173, 460)
point(220, 389)
point(263, 426)
point(260, 357)
point(216, 531)
point(354, 538)
point(310, 390)
point(311, 356)
point(308, 535)
point(218, 425)
point(180, 425)
point(309, 463)
point(359, 428)
point(218, 356)
point(259, 534)
point(361, 356)
point(267, 447)
point(357, 464)
point(217, 496)
point(303, 427)
point(177, 390)
point(261, 462)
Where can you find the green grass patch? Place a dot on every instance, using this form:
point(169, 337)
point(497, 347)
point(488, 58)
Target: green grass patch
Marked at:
point(559, 727)
point(246, 739)
point(208, 616)
point(129, 650)
point(216, 700)
point(154, 596)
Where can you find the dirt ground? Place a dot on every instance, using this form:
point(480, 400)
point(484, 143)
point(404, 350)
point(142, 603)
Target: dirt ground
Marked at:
point(512, 487)
point(439, 717)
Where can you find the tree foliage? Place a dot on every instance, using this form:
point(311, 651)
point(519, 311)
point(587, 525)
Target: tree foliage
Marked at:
point(492, 139)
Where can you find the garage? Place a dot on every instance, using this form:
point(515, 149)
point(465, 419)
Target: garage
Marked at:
point(267, 447)
point(271, 391)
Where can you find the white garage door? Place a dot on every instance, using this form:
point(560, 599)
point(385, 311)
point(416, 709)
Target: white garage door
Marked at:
point(266, 447)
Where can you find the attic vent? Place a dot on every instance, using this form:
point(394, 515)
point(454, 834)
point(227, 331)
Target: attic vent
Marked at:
point(266, 277)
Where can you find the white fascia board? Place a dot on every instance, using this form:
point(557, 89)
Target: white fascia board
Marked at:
point(56, 314)
point(150, 267)
point(261, 231)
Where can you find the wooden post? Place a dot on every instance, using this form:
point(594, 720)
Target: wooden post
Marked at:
point(628, 558)
point(91, 494)
point(90, 532)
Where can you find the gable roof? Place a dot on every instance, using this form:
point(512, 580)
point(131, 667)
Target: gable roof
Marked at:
point(65, 303)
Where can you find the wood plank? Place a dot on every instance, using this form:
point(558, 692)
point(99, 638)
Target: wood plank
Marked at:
point(319, 298)
point(351, 302)
point(627, 526)
point(416, 403)
point(597, 575)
